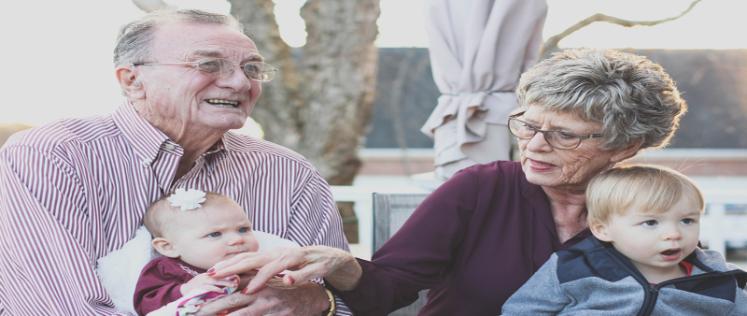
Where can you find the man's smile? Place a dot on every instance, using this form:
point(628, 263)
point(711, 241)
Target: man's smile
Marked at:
point(223, 102)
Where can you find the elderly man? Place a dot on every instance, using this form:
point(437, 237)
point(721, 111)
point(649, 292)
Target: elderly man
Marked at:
point(75, 190)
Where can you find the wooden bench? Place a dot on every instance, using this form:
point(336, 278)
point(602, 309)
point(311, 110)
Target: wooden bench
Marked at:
point(390, 211)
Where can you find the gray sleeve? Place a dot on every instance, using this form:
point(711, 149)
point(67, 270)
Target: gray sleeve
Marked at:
point(540, 295)
point(741, 302)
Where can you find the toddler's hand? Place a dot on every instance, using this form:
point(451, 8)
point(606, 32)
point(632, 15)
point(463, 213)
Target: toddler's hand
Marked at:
point(206, 283)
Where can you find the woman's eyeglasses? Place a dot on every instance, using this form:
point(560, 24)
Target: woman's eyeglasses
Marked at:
point(555, 138)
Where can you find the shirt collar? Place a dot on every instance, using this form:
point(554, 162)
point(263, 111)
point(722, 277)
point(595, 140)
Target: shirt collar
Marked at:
point(217, 147)
point(213, 153)
point(146, 140)
point(687, 267)
point(230, 142)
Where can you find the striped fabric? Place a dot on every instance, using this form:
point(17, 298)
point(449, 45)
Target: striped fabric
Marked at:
point(75, 190)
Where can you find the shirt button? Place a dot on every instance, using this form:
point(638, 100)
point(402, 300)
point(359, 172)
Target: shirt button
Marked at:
point(170, 146)
point(146, 162)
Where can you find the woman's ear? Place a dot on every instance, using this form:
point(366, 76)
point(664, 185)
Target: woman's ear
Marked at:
point(599, 230)
point(627, 151)
point(164, 247)
point(130, 82)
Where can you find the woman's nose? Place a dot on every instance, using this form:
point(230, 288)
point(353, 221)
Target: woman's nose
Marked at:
point(538, 142)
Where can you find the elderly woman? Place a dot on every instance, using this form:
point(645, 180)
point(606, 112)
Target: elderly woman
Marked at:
point(476, 239)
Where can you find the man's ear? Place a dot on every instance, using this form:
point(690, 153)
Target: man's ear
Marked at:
point(627, 152)
point(130, 83)
point(164, 247)
point(600, 231)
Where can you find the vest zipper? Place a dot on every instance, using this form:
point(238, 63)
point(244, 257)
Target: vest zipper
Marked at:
point(652, 292)
point(649, 293)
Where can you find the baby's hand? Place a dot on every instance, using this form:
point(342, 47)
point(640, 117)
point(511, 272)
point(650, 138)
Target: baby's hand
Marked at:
point(206, 283)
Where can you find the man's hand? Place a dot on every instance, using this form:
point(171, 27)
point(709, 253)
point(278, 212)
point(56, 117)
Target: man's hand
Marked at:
point(307, 299)
point(206, 283)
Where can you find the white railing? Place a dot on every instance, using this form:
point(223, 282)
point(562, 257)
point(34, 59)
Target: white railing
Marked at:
point(363, 205)
point(362, 197)
point(724, 222)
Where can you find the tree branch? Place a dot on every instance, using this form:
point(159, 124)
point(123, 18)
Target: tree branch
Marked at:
point(279, 102)
point(551, 44)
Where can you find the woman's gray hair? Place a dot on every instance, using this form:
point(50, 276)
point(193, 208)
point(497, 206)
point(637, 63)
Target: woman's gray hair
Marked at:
point(629, 95)
point(134, 40)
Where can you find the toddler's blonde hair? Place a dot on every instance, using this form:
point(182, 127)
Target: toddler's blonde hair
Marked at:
point(650, 188)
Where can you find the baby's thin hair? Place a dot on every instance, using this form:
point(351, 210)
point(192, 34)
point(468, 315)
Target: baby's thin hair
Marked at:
point(650, 188)
point(158, 213)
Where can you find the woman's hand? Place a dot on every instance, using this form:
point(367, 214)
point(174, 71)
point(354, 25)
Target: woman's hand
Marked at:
point(205, 283)
point(295, 266)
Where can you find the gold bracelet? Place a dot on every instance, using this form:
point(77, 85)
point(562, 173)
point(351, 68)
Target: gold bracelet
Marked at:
point(332, 305)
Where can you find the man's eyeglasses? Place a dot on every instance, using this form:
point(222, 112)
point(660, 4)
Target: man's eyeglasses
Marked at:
point(556, 139)
point(224, 67)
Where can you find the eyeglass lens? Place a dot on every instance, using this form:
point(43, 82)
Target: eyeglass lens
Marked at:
point(256, 70)
point(556, 139)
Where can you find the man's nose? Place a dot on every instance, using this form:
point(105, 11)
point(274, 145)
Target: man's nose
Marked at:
point(234, 79)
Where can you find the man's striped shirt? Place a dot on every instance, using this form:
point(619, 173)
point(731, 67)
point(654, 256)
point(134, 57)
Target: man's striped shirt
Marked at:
point(75, 190)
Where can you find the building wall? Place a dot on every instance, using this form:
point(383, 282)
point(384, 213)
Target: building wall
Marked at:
point(712, 81)
point(692, 162)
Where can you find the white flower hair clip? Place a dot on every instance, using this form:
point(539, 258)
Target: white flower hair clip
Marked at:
point(187, 199)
